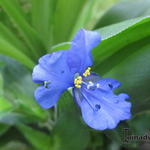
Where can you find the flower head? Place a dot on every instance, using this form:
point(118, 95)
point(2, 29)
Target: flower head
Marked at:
point(100, 107)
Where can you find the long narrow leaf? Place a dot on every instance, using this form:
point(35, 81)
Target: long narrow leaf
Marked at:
point(9, 50)
point(65, 17)
point(29, 35)
point(83, 17)
point(42, 17)
point(9, 36)
point(119, 35)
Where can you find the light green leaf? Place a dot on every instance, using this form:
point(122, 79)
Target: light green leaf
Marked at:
point(5, 105)
point(66, 13)
point(9, 36)
point(118, 36)
point(42, 11)
point(84, 16)
point(11, 51)
point(60, 46)
point(1, 85)
point(29, 35)
point(98, 10)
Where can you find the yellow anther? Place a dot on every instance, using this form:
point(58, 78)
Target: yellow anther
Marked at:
point(78, 81)
point(79, 78)
point(87, 72)
point(89, 68)
point(78, 86)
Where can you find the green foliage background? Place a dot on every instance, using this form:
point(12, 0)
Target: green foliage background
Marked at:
point(32, 28)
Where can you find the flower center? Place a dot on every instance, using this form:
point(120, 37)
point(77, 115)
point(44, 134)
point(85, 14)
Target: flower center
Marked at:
point(78, 80)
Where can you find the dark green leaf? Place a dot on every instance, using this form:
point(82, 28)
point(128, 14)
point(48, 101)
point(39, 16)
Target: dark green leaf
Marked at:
point(40, 140)
point(19, 89)
point(139, 124)
point(69, 131)
point(131, 67)
point(125, 10)
point(3, 128)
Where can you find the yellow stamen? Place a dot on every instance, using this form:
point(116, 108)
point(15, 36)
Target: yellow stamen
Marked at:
point(78, 81)
point(87, 72)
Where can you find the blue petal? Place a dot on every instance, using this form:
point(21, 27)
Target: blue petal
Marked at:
point(54, 68)
point(47, 97)
point(79, 56)
point(39, 74)
point(102, 110)
point(53, 71)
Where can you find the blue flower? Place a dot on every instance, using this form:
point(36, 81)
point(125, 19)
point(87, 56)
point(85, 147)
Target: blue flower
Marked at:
point(56, 72)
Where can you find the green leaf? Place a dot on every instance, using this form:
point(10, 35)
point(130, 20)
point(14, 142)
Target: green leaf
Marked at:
point(5, 105)
point(117, 36)
point(29, 35)
point(66, 13)
point(15, 145)
point(40, 140)
point(131, 67)
point(11, 51)
point(3, 128)
point(42, 12)
point(19, 89)
point(98, 10)
point(60, 46)
point(84, 16)
point(124, 11)
point(1, 85)
point(124, 55)
point(139, 124)
point(91, 12)
point(11, 38)
point(7, 116)
point(69, 127)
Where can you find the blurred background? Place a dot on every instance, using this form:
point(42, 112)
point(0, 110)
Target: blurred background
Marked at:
point(32, 28)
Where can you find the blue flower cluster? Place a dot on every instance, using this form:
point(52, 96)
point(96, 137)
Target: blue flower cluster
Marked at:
point(56, 72)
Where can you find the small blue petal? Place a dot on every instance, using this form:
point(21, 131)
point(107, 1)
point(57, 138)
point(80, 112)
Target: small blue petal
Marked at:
point(79, 56)
point(47, 97)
